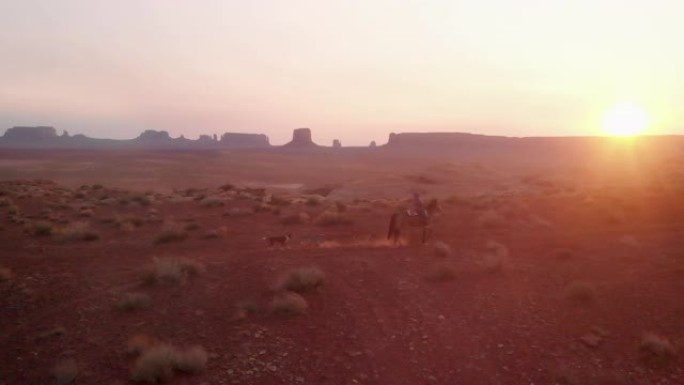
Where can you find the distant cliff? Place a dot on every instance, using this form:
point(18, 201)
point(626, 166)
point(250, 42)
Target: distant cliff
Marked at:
point(231, 139)
point(301, 138)
point(46, 137)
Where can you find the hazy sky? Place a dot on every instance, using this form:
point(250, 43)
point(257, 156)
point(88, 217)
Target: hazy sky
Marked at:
point(353, 70)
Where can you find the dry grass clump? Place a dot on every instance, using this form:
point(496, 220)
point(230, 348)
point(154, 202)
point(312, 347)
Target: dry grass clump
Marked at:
point(65, 371)
point(289, 303)
point(133, 301)
point(314, 200)
point(237, 212)
point(301, 280)
point(656, 350)
point(331, 218)
point(211, 202)
point(42, 229)
point(295, 219)
point(139, 343)
point(495, 257)
point(442, 271)
point(172, 271)
point(5, 274)
point(442, 249)
point(580, 292)
point(78, 231)
point(491, 219)
point(171, 232)
point(160, 362)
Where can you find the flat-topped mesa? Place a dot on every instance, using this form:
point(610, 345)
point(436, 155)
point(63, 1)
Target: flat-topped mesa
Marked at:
point(154, 136)
point(441, 139)
point(31, 134)
point(301, 138)
point(235, 139)
point(337, 143)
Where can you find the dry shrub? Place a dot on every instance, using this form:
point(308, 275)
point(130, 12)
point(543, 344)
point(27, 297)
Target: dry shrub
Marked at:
point(289, 303)
point(65, 371)
point(491, 219)
point(140, 343)
point(580, 292)
point(171, 232)
point(295, 219)
point(172, 271)
point(237, 212)
point(43, 229)
point(495, 257)
point(160, 362)
point(442, 271)
point(314, 200)
point(78, 231)
point(191, 360)
point(331, 218)
point(301, 280)
point(155, 364)
point(54, 332)
point(133, 301)
point(442, 249)
point(656, 350)
point(211, 202)
point(5, 274)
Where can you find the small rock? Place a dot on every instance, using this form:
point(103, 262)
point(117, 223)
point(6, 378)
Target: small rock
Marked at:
point(591, 340)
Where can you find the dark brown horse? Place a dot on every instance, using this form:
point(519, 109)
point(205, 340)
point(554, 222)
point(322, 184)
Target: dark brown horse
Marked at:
point(404, 218)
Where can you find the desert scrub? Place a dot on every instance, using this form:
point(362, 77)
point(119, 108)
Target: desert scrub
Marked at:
point(42, 229)
point(65, 371)
point(491, 219)
point(5, 274)
point(171, 271)
point(160, 362)
point(301, 280)
point(656, 350)
point(580, 292)
point(495, 257)
point(295, 219)
point(78, 231)
point(331, 218)
point(288, 303)
point(211, 201)
point(170, 232)
point(441, 271)
point(133, 301)
point(442, 249)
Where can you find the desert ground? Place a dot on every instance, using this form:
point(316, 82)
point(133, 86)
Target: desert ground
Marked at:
point(130, 266)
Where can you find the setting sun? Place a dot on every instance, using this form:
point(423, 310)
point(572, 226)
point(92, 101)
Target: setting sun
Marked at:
point(625, 120)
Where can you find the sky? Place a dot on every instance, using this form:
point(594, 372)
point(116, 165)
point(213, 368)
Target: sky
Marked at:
point(353, 70)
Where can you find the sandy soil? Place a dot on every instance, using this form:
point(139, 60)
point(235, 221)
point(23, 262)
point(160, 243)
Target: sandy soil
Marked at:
point(499, 304)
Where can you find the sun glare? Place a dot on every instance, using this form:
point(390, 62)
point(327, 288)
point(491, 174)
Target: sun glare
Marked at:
point(625, 120)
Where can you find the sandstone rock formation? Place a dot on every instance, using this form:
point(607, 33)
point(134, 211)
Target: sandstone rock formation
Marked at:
point(337, 143)
point(31, 134)
point(239, 140)
point(301, 138)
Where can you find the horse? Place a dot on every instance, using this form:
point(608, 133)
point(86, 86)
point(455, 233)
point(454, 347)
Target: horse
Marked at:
point(405, 218)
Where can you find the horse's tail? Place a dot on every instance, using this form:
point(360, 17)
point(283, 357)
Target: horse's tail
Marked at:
point(392, 226)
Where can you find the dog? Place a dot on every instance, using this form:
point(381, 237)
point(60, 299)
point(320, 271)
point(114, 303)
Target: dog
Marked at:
point(281, 240)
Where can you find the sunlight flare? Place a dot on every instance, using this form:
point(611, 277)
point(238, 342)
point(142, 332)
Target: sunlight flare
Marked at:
point(625, 120)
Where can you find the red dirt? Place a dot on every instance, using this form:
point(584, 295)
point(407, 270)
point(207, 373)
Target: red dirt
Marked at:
point(378, 319)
